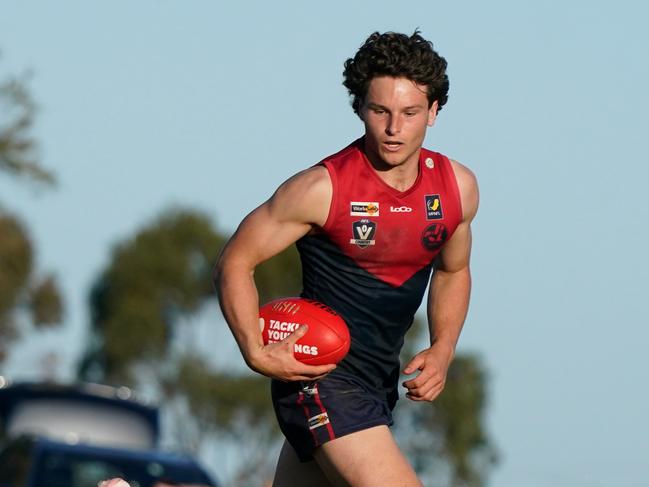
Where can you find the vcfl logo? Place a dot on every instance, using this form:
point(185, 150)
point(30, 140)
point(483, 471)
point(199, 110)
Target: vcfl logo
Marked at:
point(400, 209)
point(364, 231)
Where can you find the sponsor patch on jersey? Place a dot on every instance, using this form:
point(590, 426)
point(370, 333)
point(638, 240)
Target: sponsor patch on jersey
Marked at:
point(318, 420)
point(363, 233)
point(433, 207)
point(364, 208)
point(434, 236)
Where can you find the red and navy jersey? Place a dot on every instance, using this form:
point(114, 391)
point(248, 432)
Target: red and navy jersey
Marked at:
point(372, 259)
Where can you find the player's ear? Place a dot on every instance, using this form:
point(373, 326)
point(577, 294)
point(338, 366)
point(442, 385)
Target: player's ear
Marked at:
point(432, 113)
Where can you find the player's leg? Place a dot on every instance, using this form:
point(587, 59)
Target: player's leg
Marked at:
point(367, 458)
point(290, 472)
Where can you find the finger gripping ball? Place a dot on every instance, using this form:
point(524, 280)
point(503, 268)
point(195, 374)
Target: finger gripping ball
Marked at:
point(327, 339)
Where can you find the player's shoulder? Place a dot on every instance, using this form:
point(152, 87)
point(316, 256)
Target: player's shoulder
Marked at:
point(318, 179)
point(305, 196)
point(464, 175)
point(314, 179)
point(467, 184)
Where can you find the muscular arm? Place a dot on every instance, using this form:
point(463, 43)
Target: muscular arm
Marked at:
point(297, 206)
point(448, 299)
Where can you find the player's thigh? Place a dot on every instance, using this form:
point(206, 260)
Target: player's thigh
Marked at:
point(290, 472)
point(367, 458)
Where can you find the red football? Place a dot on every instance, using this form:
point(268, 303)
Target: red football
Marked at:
point(327, 339)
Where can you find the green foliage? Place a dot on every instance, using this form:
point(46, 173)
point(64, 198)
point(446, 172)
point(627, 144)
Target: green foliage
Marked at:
point(231, 407)
point(458, 414)
point(16, 262)
point(153, 281)
point(280, 276)
point(17, 145)
point(221, 400)
point(20, 290)
point(46, 303)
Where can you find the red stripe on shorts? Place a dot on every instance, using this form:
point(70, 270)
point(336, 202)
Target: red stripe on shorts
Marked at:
point(300, 402)
point(330, 429)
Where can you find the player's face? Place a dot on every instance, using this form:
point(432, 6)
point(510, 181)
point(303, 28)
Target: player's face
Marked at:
point(396, 116)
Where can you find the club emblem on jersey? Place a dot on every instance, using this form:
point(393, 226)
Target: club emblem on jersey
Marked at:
point(364, 208)
point(363, 233)
point(433, 207)
point(434, 236)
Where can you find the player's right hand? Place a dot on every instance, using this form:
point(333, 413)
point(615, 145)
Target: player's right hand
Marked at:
point(276, 360)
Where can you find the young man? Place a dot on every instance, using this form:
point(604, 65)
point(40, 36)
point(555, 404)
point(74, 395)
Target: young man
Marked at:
point(370, 223)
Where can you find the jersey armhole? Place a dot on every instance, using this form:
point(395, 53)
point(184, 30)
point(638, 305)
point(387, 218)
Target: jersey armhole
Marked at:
point(455, 186)
point(334, 194)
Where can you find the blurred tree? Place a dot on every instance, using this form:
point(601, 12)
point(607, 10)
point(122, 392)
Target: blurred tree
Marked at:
point(158, 280)
point(234, 408)
point(17, 145)
point(21, 290)
point(156, 284)
point(153, 281)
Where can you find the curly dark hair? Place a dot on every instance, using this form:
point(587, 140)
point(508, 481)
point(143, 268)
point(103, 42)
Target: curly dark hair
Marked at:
point(393, 54)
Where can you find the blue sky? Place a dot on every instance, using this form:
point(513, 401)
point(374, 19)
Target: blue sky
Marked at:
point(145, 105)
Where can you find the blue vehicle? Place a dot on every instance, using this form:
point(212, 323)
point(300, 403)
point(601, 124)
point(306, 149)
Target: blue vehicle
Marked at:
point(75, 436)
point(39, 462)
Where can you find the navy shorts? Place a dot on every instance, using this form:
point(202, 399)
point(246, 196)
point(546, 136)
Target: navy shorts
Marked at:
point(312, 413)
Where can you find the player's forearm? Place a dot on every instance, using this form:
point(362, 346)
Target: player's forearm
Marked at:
point(447, 307)
point(239, 303)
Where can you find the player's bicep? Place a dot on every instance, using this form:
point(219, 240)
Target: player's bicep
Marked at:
point(261, 235)
point(297, 205)
point(456, 253)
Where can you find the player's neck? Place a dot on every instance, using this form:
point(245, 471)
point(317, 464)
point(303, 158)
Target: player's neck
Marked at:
point(399, 176)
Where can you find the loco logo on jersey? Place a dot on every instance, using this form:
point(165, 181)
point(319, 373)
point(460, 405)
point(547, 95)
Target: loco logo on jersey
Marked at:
point(363, 233)
point(433, 207)
point(434, 236)
point(400, 209)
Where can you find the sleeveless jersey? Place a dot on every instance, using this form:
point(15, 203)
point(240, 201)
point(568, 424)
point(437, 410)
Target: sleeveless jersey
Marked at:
point(371, 261)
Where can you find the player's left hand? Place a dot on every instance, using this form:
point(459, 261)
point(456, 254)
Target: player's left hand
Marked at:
point(432, 365)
